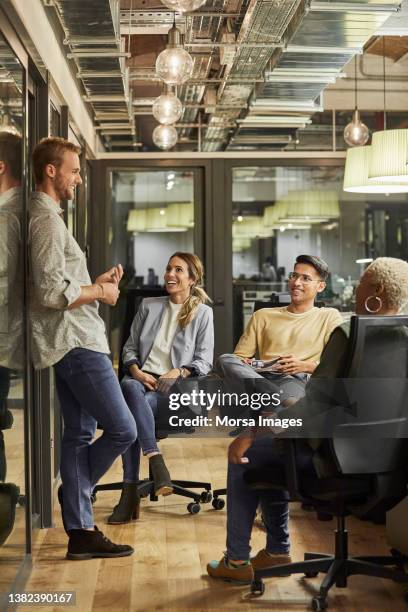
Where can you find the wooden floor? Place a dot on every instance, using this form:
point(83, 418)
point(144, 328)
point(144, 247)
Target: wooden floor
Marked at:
point(13, 550)
point(167, 571)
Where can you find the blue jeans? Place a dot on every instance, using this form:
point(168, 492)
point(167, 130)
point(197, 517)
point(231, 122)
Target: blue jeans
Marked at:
point(144, 405)
point(242, 502)
point(89, 393)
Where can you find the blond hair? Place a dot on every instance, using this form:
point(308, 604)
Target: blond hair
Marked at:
point(392, 274)
point(197, 294)
point(51, 151)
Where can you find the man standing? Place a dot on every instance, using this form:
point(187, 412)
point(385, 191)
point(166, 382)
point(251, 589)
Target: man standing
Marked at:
point(69, 334)
point(297, 335)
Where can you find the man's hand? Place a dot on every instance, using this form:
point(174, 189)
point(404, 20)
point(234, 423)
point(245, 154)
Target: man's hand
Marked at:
point(111, 276)
point(110, 293)
point(167, 380)
point(147, 380)
point(289, 364)
point(238, 448)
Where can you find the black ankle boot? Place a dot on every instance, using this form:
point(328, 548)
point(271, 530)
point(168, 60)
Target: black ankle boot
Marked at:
point(161, 476)
point(128, 507)
point(84, 544)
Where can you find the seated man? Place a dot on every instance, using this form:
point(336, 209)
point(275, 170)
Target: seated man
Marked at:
point(296, 334)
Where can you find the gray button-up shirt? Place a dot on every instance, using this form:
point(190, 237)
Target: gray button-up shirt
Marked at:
point(57, 272)
point(11, 280)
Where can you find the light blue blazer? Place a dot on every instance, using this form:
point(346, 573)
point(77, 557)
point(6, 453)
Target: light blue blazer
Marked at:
point(193, 346)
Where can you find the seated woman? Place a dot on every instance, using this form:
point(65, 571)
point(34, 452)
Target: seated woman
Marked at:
point(383, 290)
point(170, 337)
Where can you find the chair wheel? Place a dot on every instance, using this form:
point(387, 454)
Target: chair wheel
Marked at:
point(193, 508)
point(319, 603)
point(205, 497)
point(218, 503)
point(311, 574)
point(258, 587)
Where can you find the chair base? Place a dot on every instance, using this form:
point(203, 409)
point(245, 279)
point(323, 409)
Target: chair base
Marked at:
point(337, 567)
point(217, 502)
point(180, 487)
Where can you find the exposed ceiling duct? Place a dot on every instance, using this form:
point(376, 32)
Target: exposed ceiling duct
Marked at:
point(328, 36)
point(92, 32)
point(267, 26)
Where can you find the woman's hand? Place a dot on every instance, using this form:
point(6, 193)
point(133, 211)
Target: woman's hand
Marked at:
point(147, 380)
point(167, 380)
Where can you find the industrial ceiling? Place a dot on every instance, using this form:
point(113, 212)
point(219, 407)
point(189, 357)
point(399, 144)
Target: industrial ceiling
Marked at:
point(259, 66)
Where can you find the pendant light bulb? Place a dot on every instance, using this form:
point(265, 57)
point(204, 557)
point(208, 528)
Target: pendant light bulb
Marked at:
point(165, 136)
point(356, 133)
point(167, 108)
point(174, 65)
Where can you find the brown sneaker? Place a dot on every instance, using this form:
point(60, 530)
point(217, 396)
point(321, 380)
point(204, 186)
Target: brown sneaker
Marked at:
point(243, 574)
point(265, 560)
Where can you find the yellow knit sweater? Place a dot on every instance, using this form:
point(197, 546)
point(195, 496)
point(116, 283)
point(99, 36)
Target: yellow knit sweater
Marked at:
point(274, 332)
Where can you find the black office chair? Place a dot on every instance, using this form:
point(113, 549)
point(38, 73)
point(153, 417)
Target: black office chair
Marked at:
point(146, 486)
point(180, 487)
point(369, 453)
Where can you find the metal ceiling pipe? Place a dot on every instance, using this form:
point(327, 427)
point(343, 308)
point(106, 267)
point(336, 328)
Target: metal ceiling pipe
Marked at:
point(92, 32)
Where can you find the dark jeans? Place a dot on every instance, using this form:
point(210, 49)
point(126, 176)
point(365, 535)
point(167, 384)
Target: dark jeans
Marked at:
point(89, 393)
point(242, 501)
point(144, 405)
point(4, 418)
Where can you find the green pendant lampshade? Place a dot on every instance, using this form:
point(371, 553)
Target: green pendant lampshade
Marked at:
point(356, 172)
point(389, 157)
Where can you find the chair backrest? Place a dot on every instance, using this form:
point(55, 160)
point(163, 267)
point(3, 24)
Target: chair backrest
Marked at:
point(373, 439)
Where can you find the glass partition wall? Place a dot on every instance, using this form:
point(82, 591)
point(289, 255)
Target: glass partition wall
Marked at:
point(13, 541)
point(280, 212)
point(154, 213)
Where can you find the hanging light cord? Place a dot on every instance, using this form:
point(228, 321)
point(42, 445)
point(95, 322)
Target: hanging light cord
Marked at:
point(130, 23)
point(385, 108)
point(355, 82)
